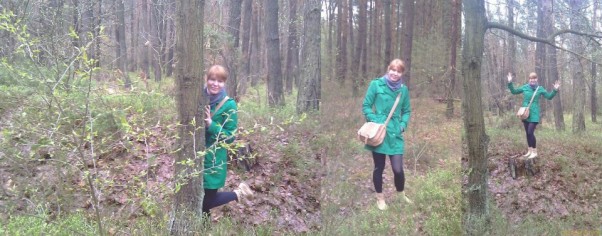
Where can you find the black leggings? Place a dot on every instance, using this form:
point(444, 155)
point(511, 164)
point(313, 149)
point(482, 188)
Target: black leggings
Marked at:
point(214, 199)
point(379, 167)
point(530, 131)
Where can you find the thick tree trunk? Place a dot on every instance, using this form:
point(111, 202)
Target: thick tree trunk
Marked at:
point(454, 37)
point(474, 125)
point(275, 87)
point(540, 56)
point(189, 76)
point(308, 98)
point(577, 64)
point(292, 56)
point(407, 37)
point(232, 48)
point(552, 67)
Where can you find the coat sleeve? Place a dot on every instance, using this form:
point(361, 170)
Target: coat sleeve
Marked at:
point(549, 95)
point(226, 129)
point(513, 90)
point(405, 110)
point(369, 102)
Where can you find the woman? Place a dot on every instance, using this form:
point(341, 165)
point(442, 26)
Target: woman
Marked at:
point(531, 122)
point(381, 95)
point(220, 126)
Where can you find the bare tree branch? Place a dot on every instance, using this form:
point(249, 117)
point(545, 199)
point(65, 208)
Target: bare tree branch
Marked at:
point(550, 40)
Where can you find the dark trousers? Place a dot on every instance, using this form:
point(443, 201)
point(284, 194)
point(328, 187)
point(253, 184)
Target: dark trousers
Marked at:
point(379, 167)
point(530, 131)
point(213, 198)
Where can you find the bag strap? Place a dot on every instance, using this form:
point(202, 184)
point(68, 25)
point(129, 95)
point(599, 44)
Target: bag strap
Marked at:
point(393, 109)
point(219, 105)
point(535, 92)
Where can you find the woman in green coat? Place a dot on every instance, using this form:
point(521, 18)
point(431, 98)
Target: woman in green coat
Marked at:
point(377, 104)
point(220, 127)
point(532, 89)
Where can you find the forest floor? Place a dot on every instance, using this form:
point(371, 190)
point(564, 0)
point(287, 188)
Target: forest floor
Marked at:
point(309, 174)
point(564, 196)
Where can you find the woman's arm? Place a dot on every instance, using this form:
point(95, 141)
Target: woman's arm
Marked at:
point(405, 110)
point(369, 101)
point(549, 95)
point(513, 90)
point(227, 128)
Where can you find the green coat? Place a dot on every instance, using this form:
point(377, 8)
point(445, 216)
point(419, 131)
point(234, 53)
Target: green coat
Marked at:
point(527, 92)
point(382, 98)
point(224, 126)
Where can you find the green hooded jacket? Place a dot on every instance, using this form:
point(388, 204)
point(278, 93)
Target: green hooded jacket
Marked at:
point(222, 129)
point(527, 92)
point(376, 107)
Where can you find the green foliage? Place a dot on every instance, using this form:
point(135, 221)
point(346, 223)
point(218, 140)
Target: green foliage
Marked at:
point(41, 224)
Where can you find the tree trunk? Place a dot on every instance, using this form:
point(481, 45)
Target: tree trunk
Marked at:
point(144, 43)
point(593, 92)
point(341, 65)
point(275, 93)
point(552, 68)
point(350, 26)
point(540, 57)
point(189, 74)
point(255, 46)
point(155, 42)
point(577, 65)
point(407, 37)
point(122, 53)
point(245, 42)
point(474, 125)
point(331, 61)
point(388, 31)
point(360, 51)
point(510, 64)
point(232, 62)
point(455, 35)
point(308, 97)
point(292, 56)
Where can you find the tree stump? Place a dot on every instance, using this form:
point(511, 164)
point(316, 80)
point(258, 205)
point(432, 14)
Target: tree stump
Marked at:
point(244, 156)
point(522, 166)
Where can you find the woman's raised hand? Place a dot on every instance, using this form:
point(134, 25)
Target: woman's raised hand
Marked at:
point(509, 77)
point(557, 84)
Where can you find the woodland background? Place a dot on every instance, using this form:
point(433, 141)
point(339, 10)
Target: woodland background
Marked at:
point(96, 96)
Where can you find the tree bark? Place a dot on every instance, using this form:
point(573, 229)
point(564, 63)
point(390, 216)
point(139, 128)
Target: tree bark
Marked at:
point(388, 31)
point(593, 91)
point(255, 46)
point(341, 60)
point(232, 48)
point(155, 42)
point(189, 76)
point(474, 125)
point(552, 68)
point(407, 37)
point(454, 37)
point(576, 68)
point(540, 56)
point(308, 97)
point(292, 56)
point(275, 93)
point(122, 53)
point(510, 63)
point(359, 60)
point(245, 42)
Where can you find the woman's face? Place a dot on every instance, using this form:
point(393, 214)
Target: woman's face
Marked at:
point(394, 75)
point(215, 85)
point(533, 80)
